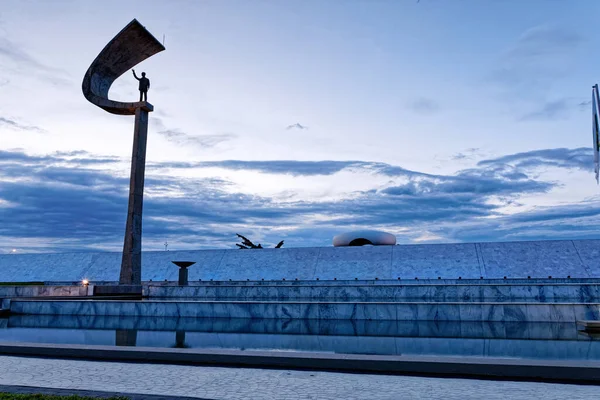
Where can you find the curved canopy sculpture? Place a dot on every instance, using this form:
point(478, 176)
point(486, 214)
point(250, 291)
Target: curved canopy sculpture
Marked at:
point(131, 46)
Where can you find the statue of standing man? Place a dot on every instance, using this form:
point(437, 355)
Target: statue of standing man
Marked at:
point(144, 85)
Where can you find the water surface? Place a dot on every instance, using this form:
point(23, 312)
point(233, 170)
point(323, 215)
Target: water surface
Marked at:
point(474, 339)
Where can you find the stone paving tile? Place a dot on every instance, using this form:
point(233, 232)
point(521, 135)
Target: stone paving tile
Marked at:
point(221, 383)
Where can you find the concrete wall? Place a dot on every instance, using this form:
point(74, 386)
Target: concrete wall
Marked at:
point(44, 291)
point(559, 259)
point(377, 311)
point(456, 292)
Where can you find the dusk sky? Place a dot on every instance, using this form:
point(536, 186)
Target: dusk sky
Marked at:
point(435, 120)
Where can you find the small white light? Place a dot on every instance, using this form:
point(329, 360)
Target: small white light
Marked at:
point(13, 250)
point(85, 282)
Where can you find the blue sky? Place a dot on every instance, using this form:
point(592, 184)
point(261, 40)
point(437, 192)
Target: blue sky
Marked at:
point(437, 120)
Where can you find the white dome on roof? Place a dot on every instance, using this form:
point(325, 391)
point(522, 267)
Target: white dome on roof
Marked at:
point(364, 237)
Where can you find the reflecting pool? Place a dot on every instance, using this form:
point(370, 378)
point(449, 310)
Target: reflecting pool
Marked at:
point(473, 339)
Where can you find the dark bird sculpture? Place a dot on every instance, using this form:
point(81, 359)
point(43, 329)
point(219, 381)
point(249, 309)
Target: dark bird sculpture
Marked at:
point(247, 243)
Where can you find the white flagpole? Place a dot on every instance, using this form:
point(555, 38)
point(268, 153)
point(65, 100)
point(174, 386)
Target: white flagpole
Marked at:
point(596, 131)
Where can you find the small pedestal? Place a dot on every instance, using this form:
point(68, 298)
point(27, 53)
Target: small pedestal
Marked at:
point(183, 272)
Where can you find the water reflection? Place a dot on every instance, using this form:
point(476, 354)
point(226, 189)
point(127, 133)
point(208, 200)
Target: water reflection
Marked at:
point(125, 337)
point(480, 339)
point(180, 340)
point(442, 329)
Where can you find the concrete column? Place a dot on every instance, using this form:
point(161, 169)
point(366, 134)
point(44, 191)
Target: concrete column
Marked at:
point(183, 276)
point(131, 264)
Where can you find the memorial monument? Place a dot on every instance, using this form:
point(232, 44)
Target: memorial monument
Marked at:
point(128, 48)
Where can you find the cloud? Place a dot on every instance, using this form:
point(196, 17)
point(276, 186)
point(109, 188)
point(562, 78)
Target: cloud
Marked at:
point(424, 106)
point(544, 40)
point(10, 123)
point(76, 201)
point(555, 109)
point(297, 126)
point(287, 167)
point(468, 154)
point(541, 56)
point(579, 158)
point(23, 62)
point(182, 138)
point(11, 51)
point(71, 158)
point(550, 110)
point(568, 221)
point(475, 184)
point(296, 168)
point(204, 141)
point(428, 237)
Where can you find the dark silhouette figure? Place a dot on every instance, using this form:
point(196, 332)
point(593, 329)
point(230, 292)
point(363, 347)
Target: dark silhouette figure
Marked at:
point(144, 85)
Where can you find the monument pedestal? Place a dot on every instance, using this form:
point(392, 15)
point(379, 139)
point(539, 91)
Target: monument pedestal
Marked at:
point(131, 264)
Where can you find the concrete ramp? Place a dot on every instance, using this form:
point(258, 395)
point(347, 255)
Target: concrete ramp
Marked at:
point(558, 259)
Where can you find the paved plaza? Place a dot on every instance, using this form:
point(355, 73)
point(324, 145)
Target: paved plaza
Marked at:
point(258, 384)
